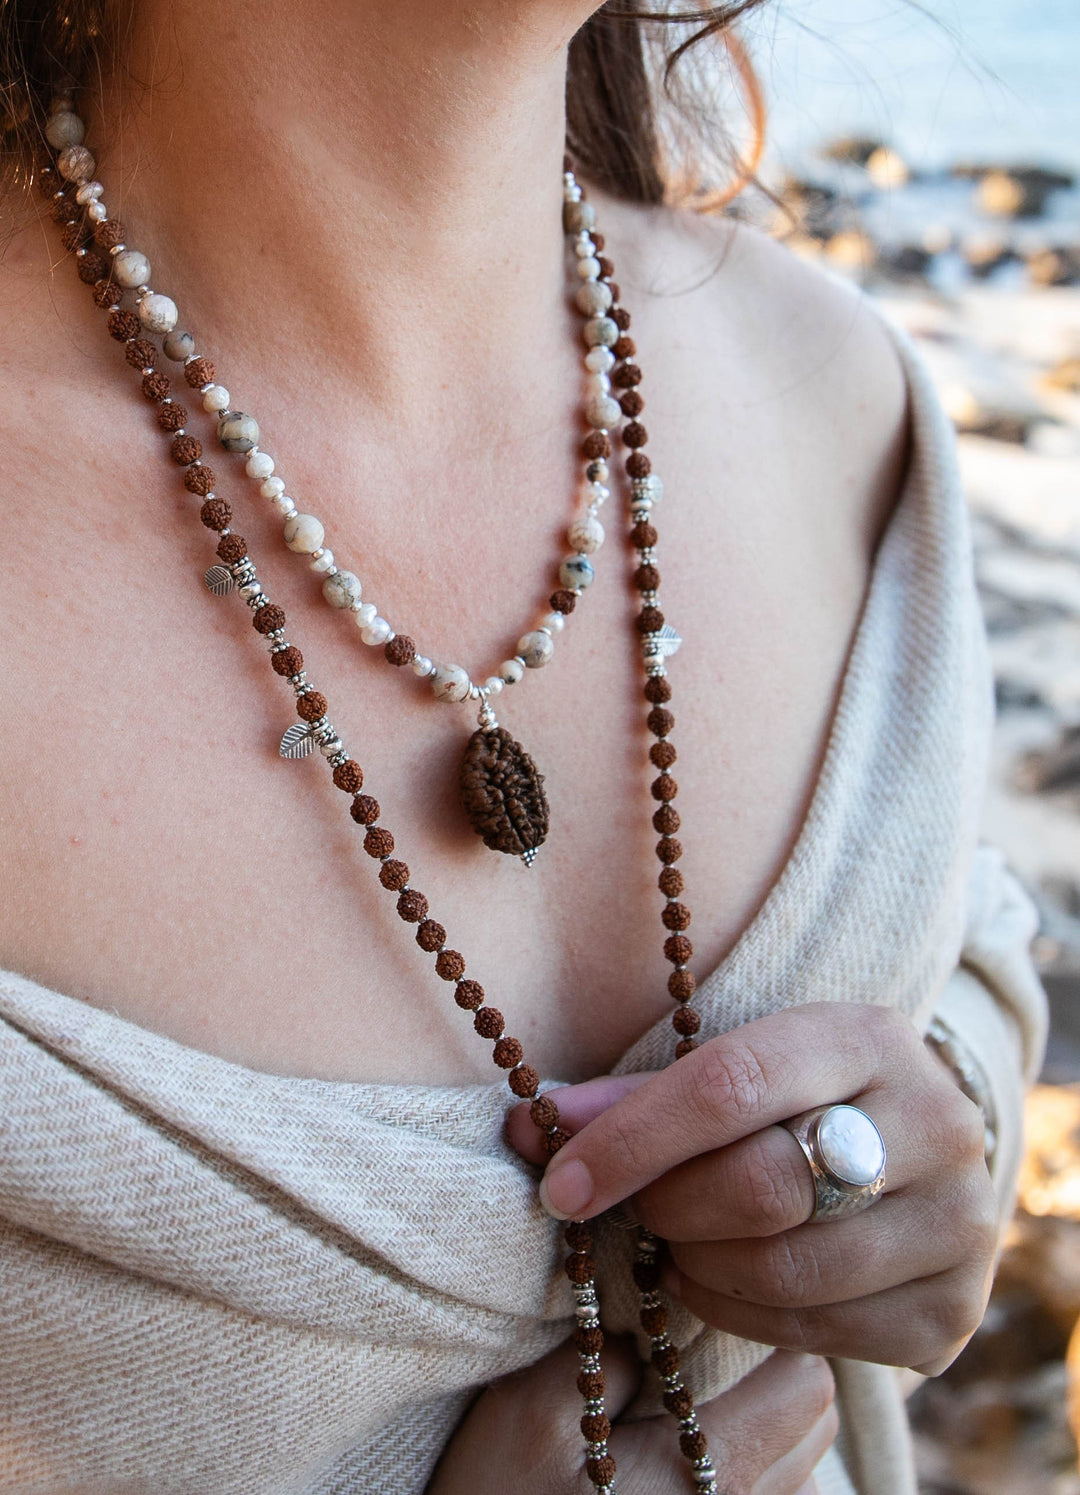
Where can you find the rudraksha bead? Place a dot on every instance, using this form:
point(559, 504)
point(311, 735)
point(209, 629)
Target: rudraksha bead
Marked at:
point(601, 1470)
point(649, 620)
point(597, 239)
point(64, 208)
point(92, 268)
point(578, 1235)
point(365, 811)
point(216, 513)
point(507, 1052)
point(108, 234)
point(430, 936)
point(199, 479)
point(378, 842)
point(544, 1112)
point(624, 347)
point(400, 649)
point(621, 317)
point(671, 882)
point(312, 704)
point(523, 1081)
point(654, 1320)
point(694, 1445)
point(231, 549)
point(666, 1359)
point(488, 1022)
point(394, 875)
point(639, 464)
point(596, 446)
point(613, 287)
point(657, 689)
point(199, 371)
point(631, 403)
point(450, 965)
point(107, 293)
point(589, 1339)
point(667, 819)
point(664, 787)
point(49, 180)
point(287, 661)
point(647, 577)
point(156, 386)
point(185, 449)
point(607, 269)
point(669, 850)
point(679, 1403)
point(555, 1141)
point(596, 1427)
point(685, 1020)
point(172, 416)
point(562, 601)
point(626, 376)
point(675, 916)
point(412, 906)
point(662, 755)
point(141, 353)
point(123, 325)
point(634, 435)
point(678, 949)
point(469, 994)
point(646, 1275)
point(660, 721)
point(349, 776)
point(644, 535)
point(592, 1385)
point(268, 619)
point(682, 985)
point(685, 1046)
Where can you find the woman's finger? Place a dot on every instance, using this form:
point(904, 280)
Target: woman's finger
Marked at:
point(795, 1470)
point(731, 1087)
point(578, 1105)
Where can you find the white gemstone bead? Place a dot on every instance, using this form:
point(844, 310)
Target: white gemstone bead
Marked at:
point(600, 332)
point(536, 648)
point(576, 571)
point(76, 164)
point(304, 533)
point(131, 269)
point(599, 360)
point(598, 472)
point(65, 129)
point(273, 488)
point(592, 298)
point(602, 412)
point(158, 313)
point(422, 666)
point(89, 192)
point(322, 562)
point(377, 631)
point(366, 613)
point(494, 686)
point(259, 465)
point(450, 682)
point(285, 506)
point(179, 346)
point(511, 670)
point(343, 590)
point(553, 622)
point(216, 398)
point(586, 534)
point(588, 267)
point(97, 212)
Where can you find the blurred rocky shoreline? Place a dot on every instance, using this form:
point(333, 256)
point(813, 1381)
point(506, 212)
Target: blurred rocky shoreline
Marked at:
point(980, 263)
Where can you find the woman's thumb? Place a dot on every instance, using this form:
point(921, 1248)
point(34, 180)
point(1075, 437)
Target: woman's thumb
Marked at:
point(578, 1105)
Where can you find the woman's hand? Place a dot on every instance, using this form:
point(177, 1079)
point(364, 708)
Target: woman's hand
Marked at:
point(693, 1153)
point(521, 1436)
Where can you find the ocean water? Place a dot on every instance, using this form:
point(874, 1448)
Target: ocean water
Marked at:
point(943, 80)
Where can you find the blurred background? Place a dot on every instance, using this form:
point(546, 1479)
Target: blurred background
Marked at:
point(932, 152)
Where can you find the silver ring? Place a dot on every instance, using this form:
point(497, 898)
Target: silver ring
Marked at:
point(846, 1154)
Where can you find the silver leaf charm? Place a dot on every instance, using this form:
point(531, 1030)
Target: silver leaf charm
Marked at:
point(664, 643)
point(219, 580)
point(297, 741)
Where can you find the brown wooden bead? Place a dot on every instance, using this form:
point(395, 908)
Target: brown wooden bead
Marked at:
point(523, 1081)
point(74, 235)
point(601, 1471)
point(469, 994)
point(49, 181)
point(694, 1445)
point(639, 464)
point(644, 535)
point(185, 449)
point(394, 875)
point(679, 1403)
point(597, 239)
point(621, 317)
point(450, 965)
point(578, 1235)
point(93, 268)
point(507, 1052)
point(657, 689)
point(215, 514)
point(199, 371)
point(596, 1427)
point(664, 787)
point(589, 1339)
point(579, 1267)
point(400, 649)
point(312, 704)
point(107, 293)
point(596, 446)
point(431, 936)
point(268, 619)
point(669, 850)
point(626, 375)
point(123, 325)
point(631, 403)
point(64, 208)
point(488, 1022)
point(287, 661)
point(607, 269)
point(654, 1320)
point(171, 416)
point(592, 1385)
point(349, 776)
point(555, 1141)
point(634, 435)
point(685, 1020)
point(678, 949)
point(667, 819)
point(365, 811)
point(676, 915)
point(647, 577)
point(108, 234)
point(156, 386)
point(671, 882)
point(649, 620)
point(199, 479)
point(666, 1359)
point(231, 549)
point(562, 601)
point(140, 353)
point(646, 1275)
point(412, 906)
point(624, 347)
point(662, 755)
point(660, 721)
point(682, 985)
point(685, 1046)
point(615, 289)
point(544, 1113)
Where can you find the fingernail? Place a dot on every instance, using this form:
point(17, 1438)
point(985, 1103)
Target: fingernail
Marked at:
point(566, 1189)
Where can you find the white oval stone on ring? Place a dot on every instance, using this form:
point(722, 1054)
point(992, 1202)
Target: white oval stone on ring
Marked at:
point(850, 1145)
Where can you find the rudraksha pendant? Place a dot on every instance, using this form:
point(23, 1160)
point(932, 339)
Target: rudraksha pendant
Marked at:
point(503, 793)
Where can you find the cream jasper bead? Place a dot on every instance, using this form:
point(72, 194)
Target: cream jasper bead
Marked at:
point(511, 670)
point(158, 313)
point(586, 534)
point(377, 631)
point(602, 412)
point(215, 399)
point(592, 298)
point(65, 129)
point(130, 269)
point(259, 465)
point(76, 164)
point(450, 682)
point(304, 533)
point(588, 267)
point(536, 648)
point(343, 589)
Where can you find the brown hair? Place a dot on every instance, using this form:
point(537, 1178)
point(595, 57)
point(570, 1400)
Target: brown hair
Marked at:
point(634, 127)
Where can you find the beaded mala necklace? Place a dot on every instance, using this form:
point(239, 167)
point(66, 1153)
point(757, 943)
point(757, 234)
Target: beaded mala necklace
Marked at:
point(507, 804)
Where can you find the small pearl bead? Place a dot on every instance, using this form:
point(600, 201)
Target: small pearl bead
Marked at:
point(377, 631)
point(304, 533)
point(158, 313)
point(494, 686)
point(595, 494)
point(422, 666)
point(586, 534)
point(97, 212)
point(553, 622)
point(450, 682)
point(285, 506)
point(599, 360)
point(216, 398)
point(511, 670)
point(272, 488)
point(65, 129)
point(597, 384)
point(323, 562)
point(536, 648)
point(342, 590)
point(131, 269)
point(259, 465)
point(365, 614)
point(576, 571)
point(584, 247)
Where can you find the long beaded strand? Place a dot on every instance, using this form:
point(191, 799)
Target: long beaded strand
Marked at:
point(77, 207)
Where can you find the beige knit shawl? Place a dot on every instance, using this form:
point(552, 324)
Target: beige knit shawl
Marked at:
point(220, 1282)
